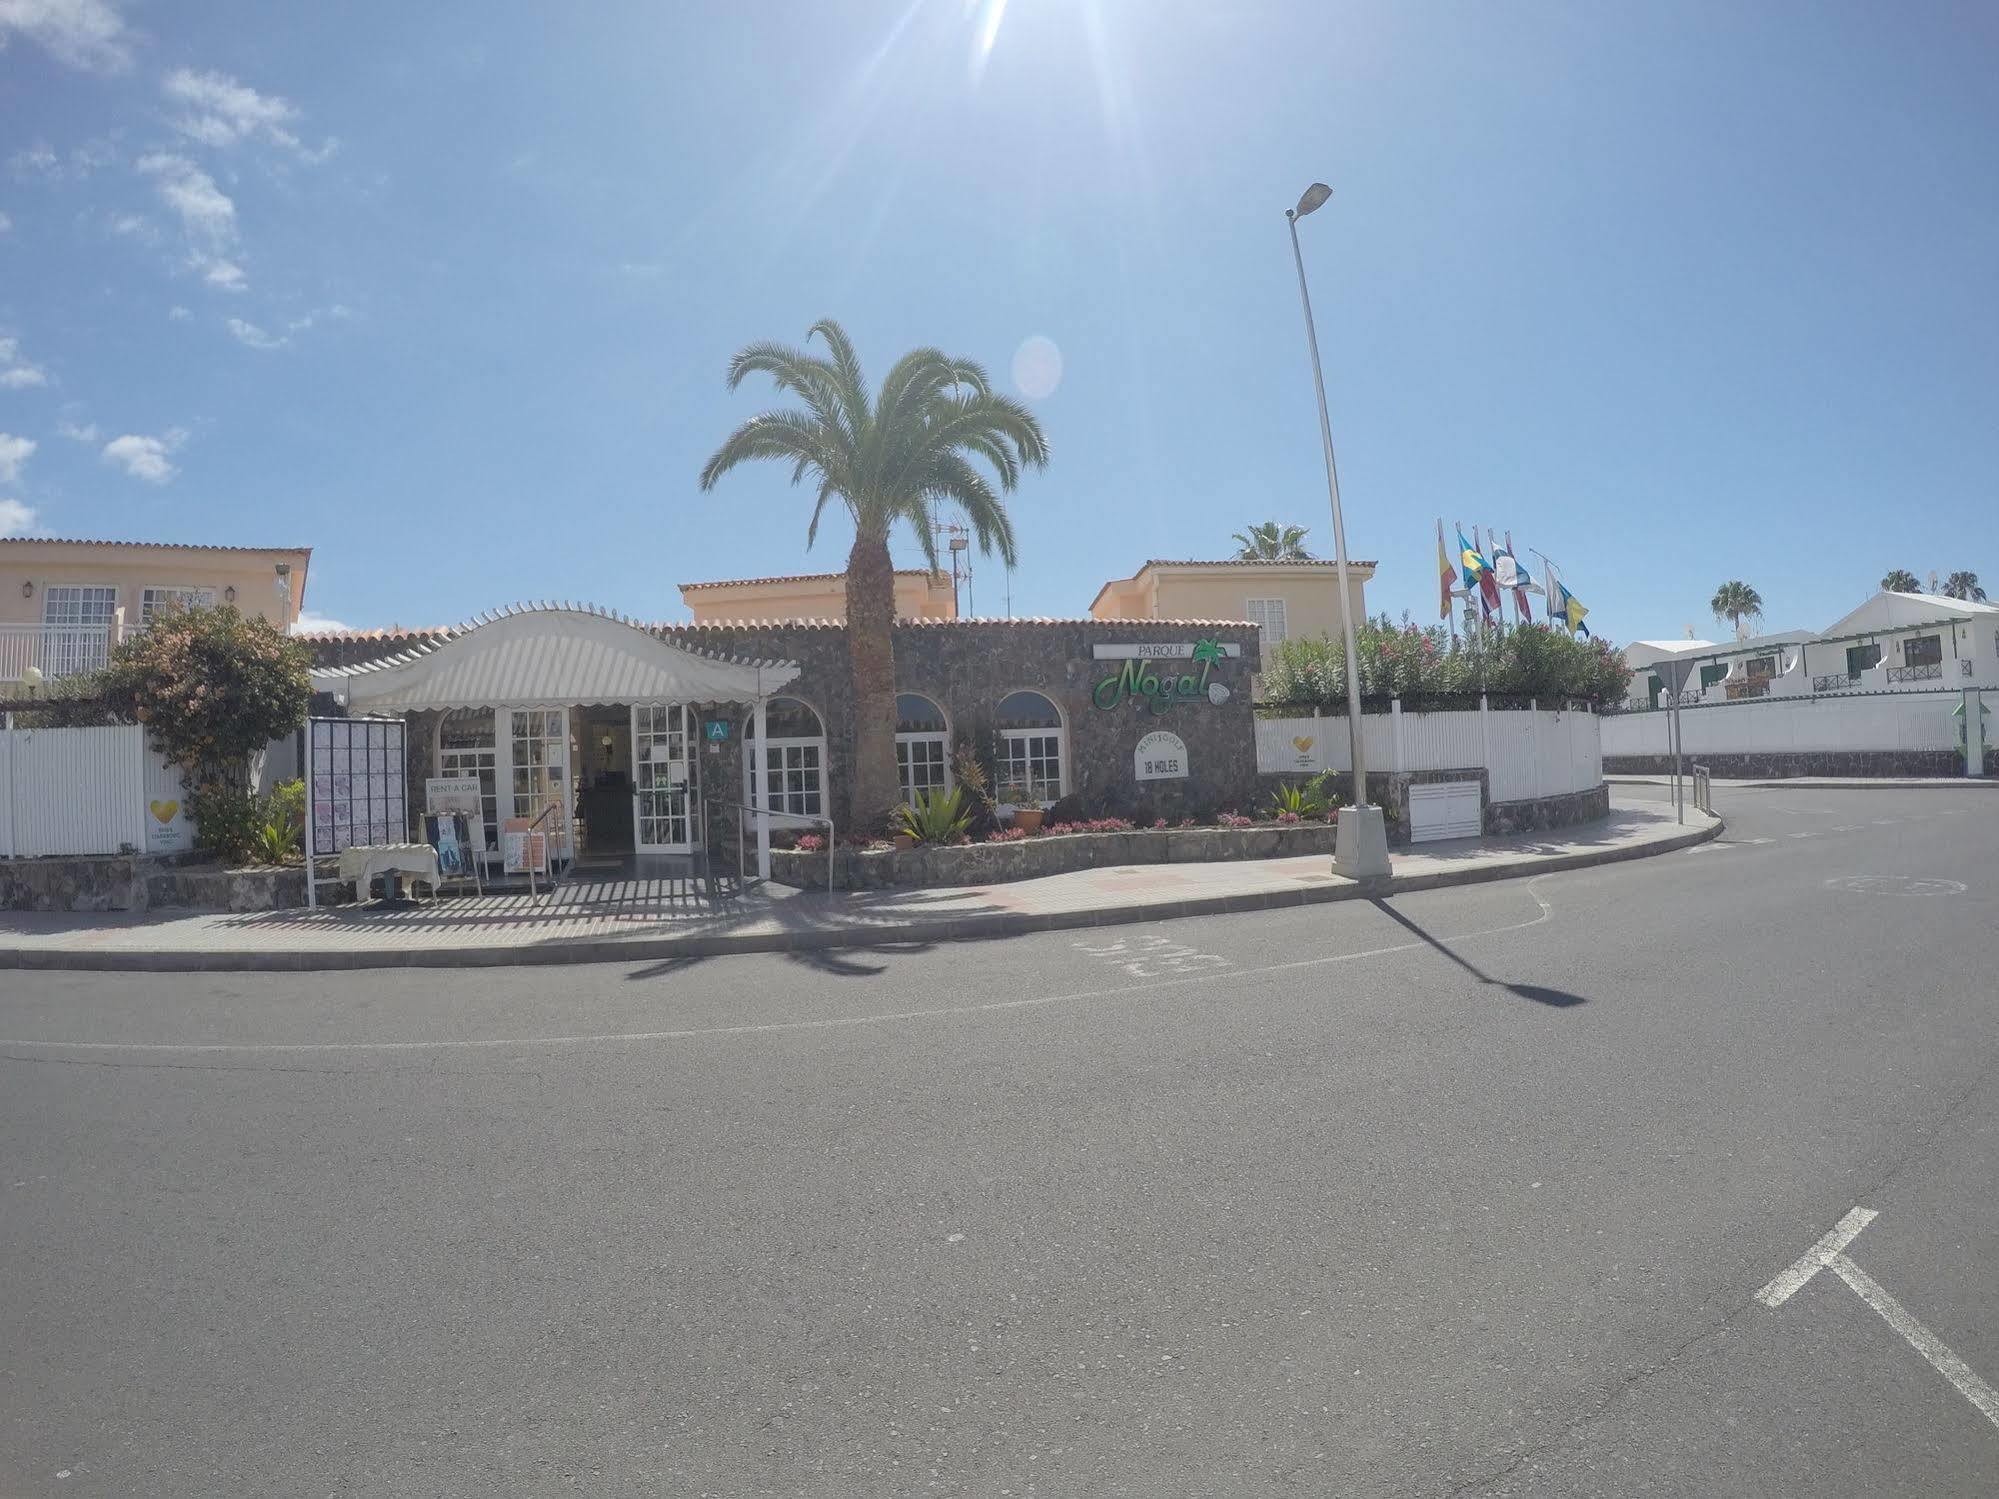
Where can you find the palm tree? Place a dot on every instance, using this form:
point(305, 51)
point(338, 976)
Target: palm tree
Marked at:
point(1964, 586)
point(1271, 542)
point(1901, 580)
point(1736, 601)
point(889, 461)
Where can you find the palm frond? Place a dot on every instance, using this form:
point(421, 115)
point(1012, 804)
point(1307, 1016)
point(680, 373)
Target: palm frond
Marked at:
point(773, 434)
point(849, 384)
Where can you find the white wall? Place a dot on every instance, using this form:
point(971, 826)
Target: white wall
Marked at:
point(1526, 753)
point(1903, 721)
point(72, 791)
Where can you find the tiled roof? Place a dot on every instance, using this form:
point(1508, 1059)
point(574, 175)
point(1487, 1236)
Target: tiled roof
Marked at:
point(151, 546)
point(1251, 562)
point(900, 572)
point(394, 633)
point(387, 632)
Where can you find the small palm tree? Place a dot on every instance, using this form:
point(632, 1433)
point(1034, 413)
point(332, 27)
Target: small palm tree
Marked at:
point(888, 460)
point(1271, 542)
point(1901, 580)
point(1964, 586)
point(1736, 601)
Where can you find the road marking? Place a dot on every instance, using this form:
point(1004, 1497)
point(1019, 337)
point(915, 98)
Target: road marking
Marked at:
point(1920, 1338)
point(1787, 835)
point(1830, 1254)
point(211, 1048)
point(1895, 884)
point(1148, 955)
point(1815, 1259)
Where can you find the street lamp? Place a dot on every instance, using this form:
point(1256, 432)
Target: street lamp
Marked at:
point(1361, 850)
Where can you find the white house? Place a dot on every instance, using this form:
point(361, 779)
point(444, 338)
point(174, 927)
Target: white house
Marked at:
point(1895, 642)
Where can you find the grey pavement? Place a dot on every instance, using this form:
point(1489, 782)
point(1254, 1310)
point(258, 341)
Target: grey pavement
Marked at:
point(1464, 1191)
point(662, 918)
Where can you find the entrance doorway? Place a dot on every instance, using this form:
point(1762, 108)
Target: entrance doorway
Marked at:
point(664, 793)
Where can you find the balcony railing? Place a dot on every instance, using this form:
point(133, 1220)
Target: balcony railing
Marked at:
point(1930, 673)
point(54, 650)
point(1838, 681)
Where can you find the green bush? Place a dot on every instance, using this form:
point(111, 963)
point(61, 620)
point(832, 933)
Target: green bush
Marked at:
point(239, 827)
point(1306, 799)
point(1420, 663)
point(937, 816)
point(212, 687)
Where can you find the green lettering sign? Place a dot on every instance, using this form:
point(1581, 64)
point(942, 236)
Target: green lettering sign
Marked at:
point(1137, 682)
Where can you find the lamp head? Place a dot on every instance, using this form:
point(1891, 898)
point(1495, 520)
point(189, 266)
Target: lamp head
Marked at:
point(1314, 198)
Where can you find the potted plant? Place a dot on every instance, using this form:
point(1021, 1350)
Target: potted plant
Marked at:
point(1027, 814)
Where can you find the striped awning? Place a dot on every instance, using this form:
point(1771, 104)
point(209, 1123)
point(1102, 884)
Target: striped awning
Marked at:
point(550, 656)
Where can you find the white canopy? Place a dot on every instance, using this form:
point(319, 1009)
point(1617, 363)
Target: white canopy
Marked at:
point(550, 656)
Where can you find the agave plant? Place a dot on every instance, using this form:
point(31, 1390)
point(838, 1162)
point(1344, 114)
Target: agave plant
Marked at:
point(935, 816)
point(1311, 799)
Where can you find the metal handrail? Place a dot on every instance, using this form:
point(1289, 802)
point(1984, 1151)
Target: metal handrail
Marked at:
point(1704, 789)
point(1928, 672)
point(808, 818)
point(546, 860)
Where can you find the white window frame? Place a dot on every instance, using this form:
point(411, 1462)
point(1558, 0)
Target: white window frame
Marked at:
point(202, 598)
point(481, 762)
point(1269, 617)
point(809, 799)
point(905, 752)
point(1016, 748)
point(110, 622)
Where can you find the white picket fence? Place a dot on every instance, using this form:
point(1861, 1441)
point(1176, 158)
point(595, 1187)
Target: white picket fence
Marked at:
point(1899, 721)
point(1526, 753)
point(87, 791)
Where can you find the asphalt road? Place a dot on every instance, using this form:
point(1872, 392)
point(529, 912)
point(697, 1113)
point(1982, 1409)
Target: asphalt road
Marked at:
point(1470, 1192)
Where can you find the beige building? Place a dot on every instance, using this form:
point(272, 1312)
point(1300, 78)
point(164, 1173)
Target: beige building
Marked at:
point(1283, 599)
point(65, 604)
point(918, 595)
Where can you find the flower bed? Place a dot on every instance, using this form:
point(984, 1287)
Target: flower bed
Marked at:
point(1068, 847)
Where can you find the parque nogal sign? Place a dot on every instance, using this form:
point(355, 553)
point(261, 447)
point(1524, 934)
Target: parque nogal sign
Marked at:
point(1139, 681)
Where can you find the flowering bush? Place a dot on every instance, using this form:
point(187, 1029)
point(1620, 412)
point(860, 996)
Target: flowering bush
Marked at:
point(1417, 661)
point(810, 843)
point(1007, 835)
point(1232, 820)
point(1158, 822)
point(1289, 819)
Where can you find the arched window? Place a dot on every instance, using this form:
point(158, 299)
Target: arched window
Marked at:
point(922, 745)
point(1033, 751)
point(793, 758)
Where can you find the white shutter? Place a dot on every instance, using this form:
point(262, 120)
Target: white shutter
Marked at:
point(1444, 809)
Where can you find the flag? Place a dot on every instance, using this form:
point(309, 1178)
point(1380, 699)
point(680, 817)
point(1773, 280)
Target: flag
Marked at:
point(1471, 561)
point(1523, 582)
point(1446, 575)
point(1571, 608)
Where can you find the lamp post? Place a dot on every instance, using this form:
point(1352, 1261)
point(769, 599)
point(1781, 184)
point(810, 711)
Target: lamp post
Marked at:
point(1362, 846)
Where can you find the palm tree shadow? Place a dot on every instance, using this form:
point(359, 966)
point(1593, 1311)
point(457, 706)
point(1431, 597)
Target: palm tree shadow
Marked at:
point(1556, 998)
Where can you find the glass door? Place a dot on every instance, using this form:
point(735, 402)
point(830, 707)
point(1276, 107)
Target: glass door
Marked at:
point(538, 772)
point(662, 778)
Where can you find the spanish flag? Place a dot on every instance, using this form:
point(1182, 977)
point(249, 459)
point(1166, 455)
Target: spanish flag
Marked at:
point(1446, 575)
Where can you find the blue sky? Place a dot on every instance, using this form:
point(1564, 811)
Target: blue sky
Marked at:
point(1677, 293)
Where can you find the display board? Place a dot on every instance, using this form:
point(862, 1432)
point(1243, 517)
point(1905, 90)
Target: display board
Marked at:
point(356, 787)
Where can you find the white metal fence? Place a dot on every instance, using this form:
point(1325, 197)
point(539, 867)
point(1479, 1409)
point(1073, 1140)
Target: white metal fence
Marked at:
point(53, 650)
point(88, 791)
point(1899, 721)
point(1527, 753)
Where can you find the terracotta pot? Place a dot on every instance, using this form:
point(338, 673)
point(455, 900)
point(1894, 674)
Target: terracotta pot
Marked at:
point(1028, 819)
point(904, 840)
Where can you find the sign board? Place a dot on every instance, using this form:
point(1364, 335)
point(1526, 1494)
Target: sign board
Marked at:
point(716, 730)
point(446, 832)
point(1156, 691)
point(452, 794)
point(1182, 650)
point(522, 852)
point(169, 830)
point(1160, 756)
point(355, 785)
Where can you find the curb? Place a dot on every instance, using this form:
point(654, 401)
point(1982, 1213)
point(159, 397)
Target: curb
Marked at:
point(902, 934)
point(1822, 783)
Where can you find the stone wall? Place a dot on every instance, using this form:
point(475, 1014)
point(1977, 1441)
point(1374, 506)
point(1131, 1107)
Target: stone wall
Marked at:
point(1031, 858)
point(144, 882)
point(1548, 812)
point(966, 667)
point(1779, 765)
point(1389, 790)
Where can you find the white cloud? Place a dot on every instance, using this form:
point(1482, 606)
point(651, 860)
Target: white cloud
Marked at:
point(37, 160)
point(79, 431)
point(224, 275)
point(6, 224)
point(178, 313)
point(310, 623)
point(14, 451)
point(86, 34)
point(17, 373)
point(253, 336)
point(146, 457)
point(16, 519)
point(41, 159)
point(220, 111)
point(206, 212)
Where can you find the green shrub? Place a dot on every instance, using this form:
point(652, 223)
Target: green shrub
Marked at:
point(937, 816)
point(1306, 799)
point(1417, 662)
point(228, 820)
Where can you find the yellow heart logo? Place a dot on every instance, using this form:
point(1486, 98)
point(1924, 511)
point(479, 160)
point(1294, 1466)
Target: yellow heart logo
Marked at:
point(1304, 746)
point(164, 811)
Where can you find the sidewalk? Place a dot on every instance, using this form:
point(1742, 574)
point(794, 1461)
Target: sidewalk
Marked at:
point(655, 919)
point(1824, 783)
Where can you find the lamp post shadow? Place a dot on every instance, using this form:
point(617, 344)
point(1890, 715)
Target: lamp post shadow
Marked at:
point(1559, 999)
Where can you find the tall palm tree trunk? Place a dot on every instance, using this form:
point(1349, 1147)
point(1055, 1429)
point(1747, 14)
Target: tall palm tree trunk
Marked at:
point(871, 660)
